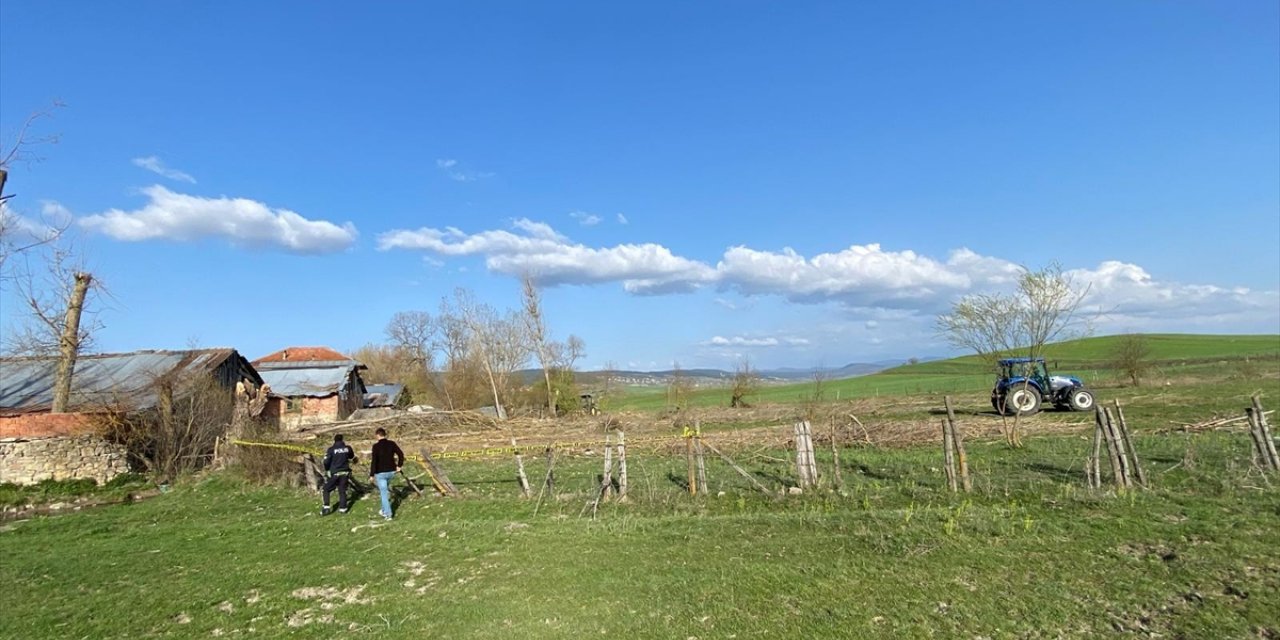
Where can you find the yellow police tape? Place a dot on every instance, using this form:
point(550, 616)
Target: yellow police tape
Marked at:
point(477, 453)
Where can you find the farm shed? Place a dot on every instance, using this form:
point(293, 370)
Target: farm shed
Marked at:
point(36, 444)
point(310, 385)
point(384, 395)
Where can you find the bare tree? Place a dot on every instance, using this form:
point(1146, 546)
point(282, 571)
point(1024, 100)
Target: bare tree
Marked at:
point(17, 234)
point(178, 434)
point(1042, 309)
point(536, 328)
point(746, 382)
point(413, 332)
point(1130, 356)
point(498, 341)
point(678, 388)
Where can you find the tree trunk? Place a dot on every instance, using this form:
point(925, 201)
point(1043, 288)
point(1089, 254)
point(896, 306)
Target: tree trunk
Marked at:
point(69, 344)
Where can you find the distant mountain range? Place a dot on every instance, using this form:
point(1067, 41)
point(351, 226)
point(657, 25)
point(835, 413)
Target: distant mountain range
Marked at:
point(705, 377)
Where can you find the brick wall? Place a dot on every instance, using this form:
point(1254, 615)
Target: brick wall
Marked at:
point(30, 460)
point(312, 411)
point(43, 425)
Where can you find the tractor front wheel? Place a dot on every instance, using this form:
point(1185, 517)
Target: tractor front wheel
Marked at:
point(1080, 399)
point(1024, 400)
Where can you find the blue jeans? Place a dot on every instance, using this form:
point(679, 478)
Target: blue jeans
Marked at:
point(382, 480)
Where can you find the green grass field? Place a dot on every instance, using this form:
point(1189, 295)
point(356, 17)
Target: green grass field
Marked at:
point(1171, 355)
point(1031, 553)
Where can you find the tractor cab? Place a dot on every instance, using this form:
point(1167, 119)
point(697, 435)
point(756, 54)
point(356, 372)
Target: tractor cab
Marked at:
point(1019, 370)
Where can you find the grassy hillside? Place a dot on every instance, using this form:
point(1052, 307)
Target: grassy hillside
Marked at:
point(1170, 355)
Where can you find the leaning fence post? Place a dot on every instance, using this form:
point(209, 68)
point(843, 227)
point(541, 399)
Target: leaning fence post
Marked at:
point(1116, 470)
point(1095, 460)
point(1128, 442)
point(1265, 430)
point(948, 455)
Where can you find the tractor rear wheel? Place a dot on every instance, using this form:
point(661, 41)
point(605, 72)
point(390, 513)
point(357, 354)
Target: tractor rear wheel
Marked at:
point(1024, 400)
point(1080, 399)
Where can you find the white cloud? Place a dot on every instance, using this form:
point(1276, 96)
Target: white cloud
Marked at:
point(739, 341)
point(156, 165)
point(622, 219)
point(243, 222)
point(585, 219)
point(17, 230)
point(451, 168)
point(552, 259)
point(863, 279)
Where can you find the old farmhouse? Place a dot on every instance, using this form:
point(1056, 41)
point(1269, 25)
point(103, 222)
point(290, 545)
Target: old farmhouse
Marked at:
point(36, 444)
point(310, 385)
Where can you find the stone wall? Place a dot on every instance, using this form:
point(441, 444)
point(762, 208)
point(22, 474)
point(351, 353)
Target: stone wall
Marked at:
point(30, 460)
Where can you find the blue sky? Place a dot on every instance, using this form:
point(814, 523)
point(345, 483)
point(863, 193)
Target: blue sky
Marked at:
point(799, 183)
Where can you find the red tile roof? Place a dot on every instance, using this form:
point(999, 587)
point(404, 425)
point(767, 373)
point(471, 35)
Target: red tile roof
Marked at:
point(302, 354)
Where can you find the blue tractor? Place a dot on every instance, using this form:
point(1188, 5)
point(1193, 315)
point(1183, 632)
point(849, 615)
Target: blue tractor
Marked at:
point(1024, 384)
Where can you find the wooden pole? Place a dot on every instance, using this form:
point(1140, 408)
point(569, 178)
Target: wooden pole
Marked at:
point(437, 475)
point(948, 455)
point(702, 464)
point(524, 480)
point(1117, 442)
point(310, 469)
point(693, 477)
point(1116, 471)
point(958, 440)
point(548, 483)
point(1260, 456)
point(808, 451)
point(1128, 444)
point(836, 476)
point(622, 465)
point(1265, 430)
point(607, 475)
point(742, 472)
point(1095, 461)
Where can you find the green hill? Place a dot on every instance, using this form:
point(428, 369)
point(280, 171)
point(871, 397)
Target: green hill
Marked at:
point(1088, 358)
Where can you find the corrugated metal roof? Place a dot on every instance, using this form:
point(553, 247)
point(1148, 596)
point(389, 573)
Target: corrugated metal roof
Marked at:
point(101, 380)
point(382, 395)
point(315, 382)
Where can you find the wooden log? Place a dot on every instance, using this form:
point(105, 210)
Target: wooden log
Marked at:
point(520, 476)
point(438, 478)
point(948, 456)
point(742, 472)
point(1116, 471)
point(622, 465)
point(1128, 445)
point(1266, 433)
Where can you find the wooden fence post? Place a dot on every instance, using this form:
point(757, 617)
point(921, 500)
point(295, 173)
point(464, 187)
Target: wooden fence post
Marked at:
point(622, 465)
point(1128, 445)
point(524, 480)
point(1117, 442)
point(1095, 460)
point(702, 464)
point(1264, 430)
point(948, 456)
point(437, 475)
point(1116, 470)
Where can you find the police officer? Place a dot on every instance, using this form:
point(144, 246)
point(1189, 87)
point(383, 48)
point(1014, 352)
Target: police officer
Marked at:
point(337, 464)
